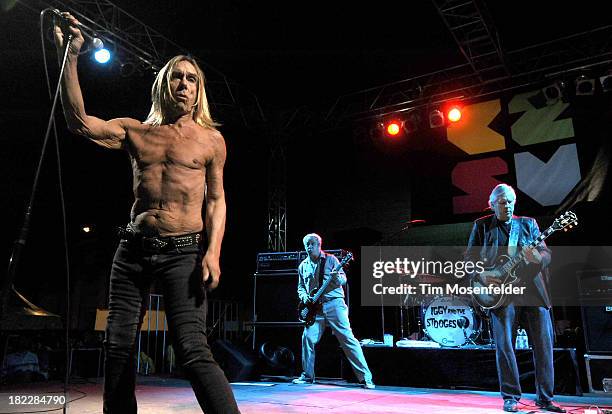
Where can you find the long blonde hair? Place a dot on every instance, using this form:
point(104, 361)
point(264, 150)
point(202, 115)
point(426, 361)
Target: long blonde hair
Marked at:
point(162, 98)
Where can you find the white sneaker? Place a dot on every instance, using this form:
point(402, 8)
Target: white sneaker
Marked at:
point(368, 384)
point(303, 379)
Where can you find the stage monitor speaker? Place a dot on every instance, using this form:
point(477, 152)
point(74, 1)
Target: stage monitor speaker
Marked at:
point(597, 324)
point(275, 297)
point(236, 362)
point(329, 355)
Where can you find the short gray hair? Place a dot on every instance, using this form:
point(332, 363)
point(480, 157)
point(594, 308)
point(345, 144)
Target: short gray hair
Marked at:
point(498, 190)
point(311, 236)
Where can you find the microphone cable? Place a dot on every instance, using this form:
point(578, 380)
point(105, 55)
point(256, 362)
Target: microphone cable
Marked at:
point(53, 124)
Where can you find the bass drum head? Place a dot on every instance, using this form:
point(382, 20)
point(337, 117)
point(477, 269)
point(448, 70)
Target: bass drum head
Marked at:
point(450, 321)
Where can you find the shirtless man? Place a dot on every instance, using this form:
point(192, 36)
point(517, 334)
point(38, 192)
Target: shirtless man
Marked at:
point(177, 159)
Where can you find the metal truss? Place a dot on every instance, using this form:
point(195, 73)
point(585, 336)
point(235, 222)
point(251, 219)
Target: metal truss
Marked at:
point(277, 175)
point(277, 196)
point(471, 26)
point(532, 65)
point(148, 49)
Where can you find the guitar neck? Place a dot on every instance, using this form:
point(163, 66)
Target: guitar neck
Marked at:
point(324, 285)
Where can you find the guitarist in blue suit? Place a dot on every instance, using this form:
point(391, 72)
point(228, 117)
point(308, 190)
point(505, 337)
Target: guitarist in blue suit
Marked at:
point(313, 270)
point(503, 233)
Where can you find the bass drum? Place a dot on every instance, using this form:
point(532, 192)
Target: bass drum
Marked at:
point(451, 321)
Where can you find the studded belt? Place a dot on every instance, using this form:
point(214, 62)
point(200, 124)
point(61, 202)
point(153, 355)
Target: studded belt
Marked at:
point(159, 244)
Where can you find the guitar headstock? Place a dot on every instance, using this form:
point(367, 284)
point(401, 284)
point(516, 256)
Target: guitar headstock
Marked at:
point(347, 258)
point(565, 221)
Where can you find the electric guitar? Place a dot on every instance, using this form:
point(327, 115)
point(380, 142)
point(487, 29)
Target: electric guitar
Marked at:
point(307, 312)
point(505, 267)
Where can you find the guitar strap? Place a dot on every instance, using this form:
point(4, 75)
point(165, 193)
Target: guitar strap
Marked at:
point(515, 227)
point(321, 269)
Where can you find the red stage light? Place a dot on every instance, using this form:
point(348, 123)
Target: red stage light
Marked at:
point(393, 128)
point(454, 114)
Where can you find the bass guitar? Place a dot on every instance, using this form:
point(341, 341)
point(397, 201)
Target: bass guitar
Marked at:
point(307, 312)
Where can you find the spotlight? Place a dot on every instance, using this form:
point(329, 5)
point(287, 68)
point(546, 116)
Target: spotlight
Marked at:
point(436, 118)
point(102, 55)
point(87, 229)
point(606, 82)
point(393, 128)
point(411, 123)
point(585, 86)
point(552, 93)
point(454, 114)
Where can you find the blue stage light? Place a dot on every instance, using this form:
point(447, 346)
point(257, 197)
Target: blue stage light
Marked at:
point(102, 55)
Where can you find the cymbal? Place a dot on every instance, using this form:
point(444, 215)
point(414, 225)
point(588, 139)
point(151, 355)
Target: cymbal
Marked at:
point(428, 278)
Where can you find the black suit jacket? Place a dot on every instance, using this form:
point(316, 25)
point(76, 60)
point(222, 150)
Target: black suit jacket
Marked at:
point(485, 235)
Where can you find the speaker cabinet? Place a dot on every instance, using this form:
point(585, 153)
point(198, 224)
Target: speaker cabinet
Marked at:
point(275, 297)
point(597, 324)
point(595, 290)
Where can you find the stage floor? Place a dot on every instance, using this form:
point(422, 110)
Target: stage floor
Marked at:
point(161, 396)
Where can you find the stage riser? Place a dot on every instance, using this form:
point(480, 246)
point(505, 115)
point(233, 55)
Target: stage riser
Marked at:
point(462, 369)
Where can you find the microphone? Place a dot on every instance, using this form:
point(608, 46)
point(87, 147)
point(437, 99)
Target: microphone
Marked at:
point(95, 41)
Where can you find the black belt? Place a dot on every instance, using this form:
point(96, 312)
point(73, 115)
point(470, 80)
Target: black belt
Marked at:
point(159, 244)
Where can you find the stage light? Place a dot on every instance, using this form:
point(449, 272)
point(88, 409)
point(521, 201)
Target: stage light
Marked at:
point(585, 86)
point(397, 126)
point(393, 128)
point(411, 123)
point(102, 55)
point(87, 229)
point(454, 114)
point(553, 93)
point(606, 82)
point(436, 118)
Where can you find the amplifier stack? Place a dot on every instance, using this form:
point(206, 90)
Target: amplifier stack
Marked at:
point(275, 285)
point(275, 300)
point(595, 289)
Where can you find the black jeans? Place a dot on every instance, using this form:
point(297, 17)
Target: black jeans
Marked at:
point(180, 273)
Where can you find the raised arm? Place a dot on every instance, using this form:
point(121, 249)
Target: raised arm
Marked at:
point(109, 134)
point(215, 212)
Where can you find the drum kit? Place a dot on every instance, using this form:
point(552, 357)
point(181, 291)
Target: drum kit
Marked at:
point(451, 321)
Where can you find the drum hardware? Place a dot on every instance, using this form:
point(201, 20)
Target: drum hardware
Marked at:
point(402, 323)
point(463, 323)
point(489, 342)
point(486, 326)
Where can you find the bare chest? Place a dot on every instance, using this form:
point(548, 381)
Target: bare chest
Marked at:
point(169, 147)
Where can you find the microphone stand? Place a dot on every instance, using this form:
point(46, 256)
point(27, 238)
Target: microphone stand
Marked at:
point(28, 308)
